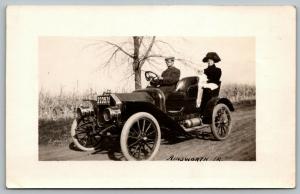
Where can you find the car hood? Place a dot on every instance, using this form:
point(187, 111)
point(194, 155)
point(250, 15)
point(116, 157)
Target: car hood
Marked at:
point(135, 97)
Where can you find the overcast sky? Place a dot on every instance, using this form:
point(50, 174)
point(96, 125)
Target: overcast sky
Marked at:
point(71, 63)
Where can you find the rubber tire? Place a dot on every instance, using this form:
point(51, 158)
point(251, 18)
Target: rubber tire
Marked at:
point(125, 132)
point(75, 140)
point(213, 128)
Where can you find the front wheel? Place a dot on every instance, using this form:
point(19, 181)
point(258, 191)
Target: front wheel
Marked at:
point(84, 135)
point(221, 122)
point(140, 137)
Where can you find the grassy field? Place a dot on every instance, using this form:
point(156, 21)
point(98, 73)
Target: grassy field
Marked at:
point(238, 92)
point(56, 107)
point(57, 112)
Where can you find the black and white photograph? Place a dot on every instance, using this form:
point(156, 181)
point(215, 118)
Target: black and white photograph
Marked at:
point(147, 98)
point(170, 96)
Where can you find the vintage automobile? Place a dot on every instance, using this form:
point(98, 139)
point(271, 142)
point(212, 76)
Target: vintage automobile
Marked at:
point(140, 118)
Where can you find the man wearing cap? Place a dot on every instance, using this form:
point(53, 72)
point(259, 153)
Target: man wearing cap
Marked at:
point(169, 77)
point(211, 77)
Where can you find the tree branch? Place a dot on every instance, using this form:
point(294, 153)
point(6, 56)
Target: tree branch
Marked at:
point(155, 64)
point(142, 61)
point(153, 56)
point(188, 63)
point(120, 48)
point(140, 41)
point(171, 47)
point(111, 57)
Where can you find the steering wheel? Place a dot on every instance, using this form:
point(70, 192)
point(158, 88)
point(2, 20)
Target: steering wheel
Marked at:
point(151, 76)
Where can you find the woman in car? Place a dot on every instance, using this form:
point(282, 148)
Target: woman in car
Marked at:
point(209, 77)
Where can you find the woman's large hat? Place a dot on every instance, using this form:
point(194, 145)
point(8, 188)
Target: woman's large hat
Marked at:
point(212, 55)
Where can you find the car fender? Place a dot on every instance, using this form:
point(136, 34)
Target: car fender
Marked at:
point(162, 118)
point(208, 111)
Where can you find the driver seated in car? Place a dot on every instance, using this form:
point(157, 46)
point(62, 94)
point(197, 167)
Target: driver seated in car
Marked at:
point(169, 78)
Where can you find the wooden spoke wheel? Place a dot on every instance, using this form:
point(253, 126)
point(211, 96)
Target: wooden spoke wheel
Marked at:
point(221, 122)
point(140, 137)
point(84, 134)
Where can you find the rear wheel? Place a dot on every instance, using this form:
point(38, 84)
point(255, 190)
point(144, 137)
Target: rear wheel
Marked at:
point(84, 134)
point(221, 122)
point(140, 137)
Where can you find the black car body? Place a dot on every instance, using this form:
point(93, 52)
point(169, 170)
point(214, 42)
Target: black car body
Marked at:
point(134, 115)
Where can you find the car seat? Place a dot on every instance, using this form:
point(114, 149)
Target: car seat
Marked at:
point(184, 96)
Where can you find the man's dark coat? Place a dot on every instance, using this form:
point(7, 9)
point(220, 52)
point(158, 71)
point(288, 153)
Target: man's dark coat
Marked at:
point(170, 78)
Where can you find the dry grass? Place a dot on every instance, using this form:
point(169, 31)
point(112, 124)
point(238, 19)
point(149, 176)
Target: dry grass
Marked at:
point(57, 107)
point(54, 132)
point(238, 92)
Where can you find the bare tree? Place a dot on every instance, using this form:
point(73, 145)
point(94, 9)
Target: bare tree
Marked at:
point(138, 57)
point(140, 51)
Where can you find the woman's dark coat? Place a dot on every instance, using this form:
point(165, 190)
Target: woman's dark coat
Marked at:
point(213, 74)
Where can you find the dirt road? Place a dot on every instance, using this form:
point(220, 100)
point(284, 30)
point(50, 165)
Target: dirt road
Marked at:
point(239, 146)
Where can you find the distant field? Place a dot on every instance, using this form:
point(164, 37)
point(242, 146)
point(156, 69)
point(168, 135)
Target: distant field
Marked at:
point(238, 92)
point(58, 107)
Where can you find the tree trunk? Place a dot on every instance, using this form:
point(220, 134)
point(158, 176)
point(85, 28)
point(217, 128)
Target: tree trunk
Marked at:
point(136, 62)
point(137, 79)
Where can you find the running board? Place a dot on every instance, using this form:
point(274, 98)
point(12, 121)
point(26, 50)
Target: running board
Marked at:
point(194, 128)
